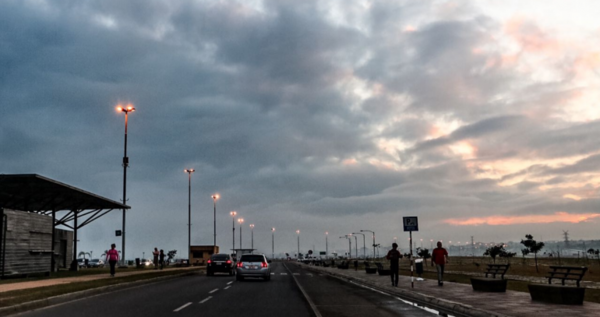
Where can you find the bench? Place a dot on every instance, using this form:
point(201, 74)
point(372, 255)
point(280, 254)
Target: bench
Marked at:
point(369, 269)
point(560, 294)
point(487, 284)
point(381, 270)
point(344, 265)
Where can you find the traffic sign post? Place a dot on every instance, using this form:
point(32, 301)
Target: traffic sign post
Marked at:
point(411, 224)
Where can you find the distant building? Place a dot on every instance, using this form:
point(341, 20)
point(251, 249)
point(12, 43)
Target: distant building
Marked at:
point(199, 254)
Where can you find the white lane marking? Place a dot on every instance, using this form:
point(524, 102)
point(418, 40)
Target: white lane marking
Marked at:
point(204, 300)
point(272, 273)
point(229, 282)
point(283, 273)
point(296, 273)
point(214, 290)
point(227, 287)
point(308, 299)
point(182, 307)
point(309, 274)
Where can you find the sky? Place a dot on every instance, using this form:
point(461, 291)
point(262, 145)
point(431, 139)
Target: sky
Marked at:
point(479, 117)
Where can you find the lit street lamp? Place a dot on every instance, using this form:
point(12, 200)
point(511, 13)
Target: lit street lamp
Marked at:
point(364, 245)
point(189, 171)
point(373, 232)
point(298, 254)
point(126, 109)
point(252, 236)
point(233, 213)
point(215, 197)
point(241, 221)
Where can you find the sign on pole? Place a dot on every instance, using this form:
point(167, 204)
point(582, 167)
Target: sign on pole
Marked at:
point(411, 223)
point(118, 233)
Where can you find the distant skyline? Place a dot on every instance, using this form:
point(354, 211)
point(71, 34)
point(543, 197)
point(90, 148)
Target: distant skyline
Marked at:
point(482, 118)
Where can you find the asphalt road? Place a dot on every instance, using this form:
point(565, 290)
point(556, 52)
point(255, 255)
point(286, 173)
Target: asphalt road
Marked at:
point(221, 295)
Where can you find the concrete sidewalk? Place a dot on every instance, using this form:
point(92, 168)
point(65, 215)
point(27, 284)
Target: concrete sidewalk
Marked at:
point(84, 278)
point(460, 298)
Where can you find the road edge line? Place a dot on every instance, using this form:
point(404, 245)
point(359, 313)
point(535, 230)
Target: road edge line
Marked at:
point(310, 302)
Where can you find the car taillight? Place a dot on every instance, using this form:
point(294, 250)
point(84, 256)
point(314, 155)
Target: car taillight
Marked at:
point(209, 262)
point(240, 264)
point(228, 262)
point(264, 264)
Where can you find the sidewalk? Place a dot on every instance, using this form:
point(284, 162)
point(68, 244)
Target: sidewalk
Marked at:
point(461, 298)
point(84, 278)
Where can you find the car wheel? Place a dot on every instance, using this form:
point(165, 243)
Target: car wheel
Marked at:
point(208, 273)
point(268, 278)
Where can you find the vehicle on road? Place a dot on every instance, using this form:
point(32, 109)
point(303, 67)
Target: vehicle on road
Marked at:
point(81, 263)
point(253, 265)
point(96, 263)
point(220, 263)
point(146, 262)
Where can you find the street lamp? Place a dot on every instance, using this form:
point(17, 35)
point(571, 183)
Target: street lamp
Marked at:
point(349, 244)
point(364, 245)
point(272, 243)
point(373, 232)
point(189, 171)
point(298, 254)
point(233, 213)
point(326, 244)
point(252, 237)
point(355, 245)
point(241, 221)
point(215, 197)
point(126, 109)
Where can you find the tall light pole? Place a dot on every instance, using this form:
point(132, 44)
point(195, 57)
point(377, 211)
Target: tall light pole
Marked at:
point(373, 232)
point(126, 109)
point(349, 244)
point(364, 245)
point(241, 221)
point(189, 171)
point(273, 243)
point(326, 244)
point(233, 213)
point(355, 245)
point(298, 254)
point(252, 237)
point(215, 197)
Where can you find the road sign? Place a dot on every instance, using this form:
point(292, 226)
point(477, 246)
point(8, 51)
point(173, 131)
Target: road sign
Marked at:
point(118, 233)
point(411, 223)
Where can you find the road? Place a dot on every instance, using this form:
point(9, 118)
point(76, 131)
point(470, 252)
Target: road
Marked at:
point(221, 295)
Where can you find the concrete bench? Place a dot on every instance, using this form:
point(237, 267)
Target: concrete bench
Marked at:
point(491, 284)
point(381, 270)
point(560, 294)
point(369, 269)
point(344, 265)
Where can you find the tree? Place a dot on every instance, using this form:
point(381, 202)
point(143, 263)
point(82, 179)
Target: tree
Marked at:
point(507, 255)
point(533, 247)
point(593, 252)
point(171, 255)
point(82, 253)
point(424, 253)
point(494, 251)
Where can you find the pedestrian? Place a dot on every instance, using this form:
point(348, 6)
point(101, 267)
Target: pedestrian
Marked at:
point(112, 257)
point(394, 256)
point(162, 259)
point(439, 256)
point(155, 253)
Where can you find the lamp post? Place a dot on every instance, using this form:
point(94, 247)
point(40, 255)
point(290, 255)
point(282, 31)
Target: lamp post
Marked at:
point(252, 237)
point(126, 109)
point(373, 232)
point(215, 197)
point(272, 243)
point(364, 245)
point(189, 171)
point(298, 254)
point(241, 221)
point(326, 244)
point(233, 213)
point(349, 245)
point(355, 245)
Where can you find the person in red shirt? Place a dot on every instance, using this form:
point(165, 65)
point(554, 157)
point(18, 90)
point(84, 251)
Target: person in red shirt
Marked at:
point(394, 256)
point(439, 256)
point(112, 256)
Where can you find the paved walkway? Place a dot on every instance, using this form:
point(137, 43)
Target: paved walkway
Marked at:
point(83, 278)
point(463, 298)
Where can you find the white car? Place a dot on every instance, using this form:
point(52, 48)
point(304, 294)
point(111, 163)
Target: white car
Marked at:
point(253, 265)
point(146, 262)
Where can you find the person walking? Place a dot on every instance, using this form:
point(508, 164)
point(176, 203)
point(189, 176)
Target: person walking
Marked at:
point(439, 256)
point(162, 259)
point(394, 256)
point(155, 253)
point(112, 257)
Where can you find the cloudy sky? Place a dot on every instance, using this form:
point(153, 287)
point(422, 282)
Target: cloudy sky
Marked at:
point(479, 117)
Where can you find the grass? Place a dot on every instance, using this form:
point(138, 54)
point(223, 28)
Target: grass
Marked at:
point(22, 296)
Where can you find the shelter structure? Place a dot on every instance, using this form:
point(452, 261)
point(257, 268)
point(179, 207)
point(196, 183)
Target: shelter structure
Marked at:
point(65, 205)
point(199, 254)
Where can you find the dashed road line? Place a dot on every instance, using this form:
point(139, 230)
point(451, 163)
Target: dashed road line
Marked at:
point(272, 273)
point(227, 287)
point(296, 273)
point(229, 282)
point(182, 307)
point(204, 300)
point(214, 290)
point(283, 273)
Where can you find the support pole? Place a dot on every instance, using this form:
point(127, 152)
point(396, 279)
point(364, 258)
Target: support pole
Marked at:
point(52, 261)
point(412, 277)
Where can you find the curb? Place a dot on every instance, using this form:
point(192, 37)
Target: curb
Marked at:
point(441, 305)
point(65, 298)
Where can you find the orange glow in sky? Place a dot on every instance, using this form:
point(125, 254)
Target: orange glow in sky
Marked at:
point(510, 220)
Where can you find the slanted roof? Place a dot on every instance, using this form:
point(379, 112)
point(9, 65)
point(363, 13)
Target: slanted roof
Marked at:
point(35, 193)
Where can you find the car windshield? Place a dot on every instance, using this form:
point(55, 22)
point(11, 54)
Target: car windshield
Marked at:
point(94, 260)
point(252, 258)
point(220, 258)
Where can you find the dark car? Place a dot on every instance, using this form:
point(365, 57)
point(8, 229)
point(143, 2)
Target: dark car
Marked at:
point(220, 263)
